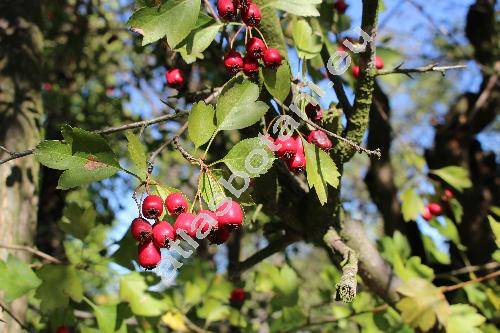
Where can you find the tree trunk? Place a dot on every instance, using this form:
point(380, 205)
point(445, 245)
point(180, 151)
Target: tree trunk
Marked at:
point(20, 111)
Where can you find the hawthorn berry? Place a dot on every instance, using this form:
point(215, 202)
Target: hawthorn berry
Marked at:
point(379, 63)
point(63, 329)
point(448, 194)
point(141, 230)
point(237, 296)
point(207, 220)
point(149, 255)
point(314, 112)
point(435, 209)
point(355, 71)
point(185, 221)
point(341, 6)
point(250, 66)
point(152, 207)
point(219, 236)
point(226, 9)
point(287, 147)
point(163, 233)
point(242, 4)
point(233, 62)
point(252, 15)
point(229, 214)
point(426, 214)
point(176, 203)
point(298, 142)
point(320, 140)
point(297, 164)
point(175, 77)
point(256, 47)
point(272, 57)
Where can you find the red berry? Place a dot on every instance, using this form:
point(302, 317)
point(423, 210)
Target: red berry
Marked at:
point(320, 140)
point(252, 15)
point(300, 145)
point(185, 221)
point(355, 71)
point(152, 207)
point(272, 57)
point(287, 147)
point(141, 230)
point(149, 255)
point(233, 62)
point(47, 86)
point(426, 214)
point(229, 214)
point(175, 77)
point(242, 4)
point(435, 209)
point(256, 47)
point(341, 6)
point(314, 112)
point(176, 203)
point(250, 66)
point(237, 295)
point(219, 236)
point(226, 9)
point(297, 164)
point(63, 329)
point(379, 63)
point(206, 221)
point(163, 233)
point(448, 194)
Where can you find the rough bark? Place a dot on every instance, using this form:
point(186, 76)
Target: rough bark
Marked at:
point(20, 112)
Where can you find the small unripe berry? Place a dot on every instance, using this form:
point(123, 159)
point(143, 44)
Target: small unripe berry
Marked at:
point(163, 234)
point(233, 62)
point(340, 6)
point(149, 256)
point(237, 296)
point(252, 15)
point(141, 230)
point(219, 236)
point(152, 207)
point(255, 47)
point(272, 57)
point(426, 214)
point(229, 214)
point(314, 112)
point(226, 9)
point(297, 164)
point(185, 221)
point(320, 140)
point(63, 329)
point(435, 209)
point(355, 71)
point(176, 203)
point(250, 66)
point(175, 78)
point(379, 63)
point(287, 147)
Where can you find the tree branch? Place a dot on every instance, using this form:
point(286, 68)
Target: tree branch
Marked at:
point(3, 307)
point(423, 69)
point(33, 251)
point(460, 285)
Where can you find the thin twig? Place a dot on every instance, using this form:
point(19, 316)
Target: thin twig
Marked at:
point(460, 285)
point(155, 153)
point(470, 269)
point(211, 10)
point(32, 250)
point(3, 307)
point(423, 69)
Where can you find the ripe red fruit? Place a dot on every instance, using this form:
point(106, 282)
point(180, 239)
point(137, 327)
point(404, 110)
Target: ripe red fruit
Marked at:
point(314, 112)
point(287, 147)
point(256, 47)
point(379, 63)
point(176, 203)
point(152, 207)
point(252, 15)
point(175, 77)
point(163, 233)
point(233, 62)
point(250, 66)
point(272, 57)
point(448, 194)
point(63, 329)
point(207, 221)
point(300, 145)
point(341, 6)
point(141, 230)
point(185, 222)
point(355, 71)
point(149, 255)
point(237, 295)
point(242, 4)
point(320, 140)
point(226, 9)
point(435, 208)
point(297, 164)
point(426, 214)
point(219, 236)
point(229, 214)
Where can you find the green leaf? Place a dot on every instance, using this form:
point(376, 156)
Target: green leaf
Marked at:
point(495, 227)
point(16, 278)
point(237, 107)
point(308, 43)
point(78, 221)
point(106, 317)
point(133, 290)
point(127, 251)
point(211, 190)
point(449, 230)
point(457, 209)
point(174, 19)
point(297, 7)
point(321, 171)
point(290, 319)
point(433, 253)
point(412, 205)
point(455, 176)
point(278, 81)
point(201, 124)
point(137, 155)
point(464, 319)
point(60, 282)
point(213, 310)
point(199, 39)
point(250, 157)
point(423, 304)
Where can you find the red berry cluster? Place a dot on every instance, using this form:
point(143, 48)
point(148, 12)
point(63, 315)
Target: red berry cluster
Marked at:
point(436, 209)
point(227, 217)
point(256, 48)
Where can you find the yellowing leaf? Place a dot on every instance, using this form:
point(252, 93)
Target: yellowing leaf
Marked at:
point(175, 321)
point(464, 319)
